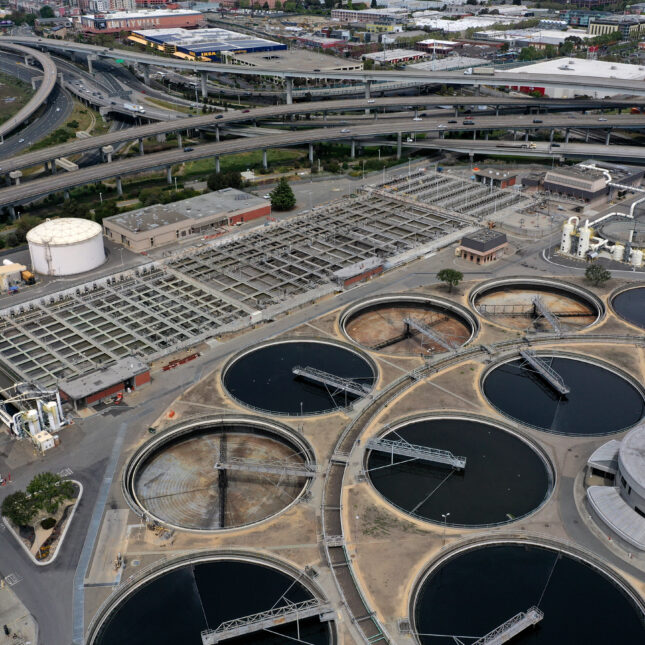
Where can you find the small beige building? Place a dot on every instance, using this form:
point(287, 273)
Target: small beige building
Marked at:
point(10, 275)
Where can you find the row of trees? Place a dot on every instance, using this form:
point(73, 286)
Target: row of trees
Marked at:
point(44, 493)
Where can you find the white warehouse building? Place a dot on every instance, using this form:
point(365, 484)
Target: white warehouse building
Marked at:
point(66, 246)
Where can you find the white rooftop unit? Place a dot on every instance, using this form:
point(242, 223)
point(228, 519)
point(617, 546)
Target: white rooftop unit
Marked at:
point(66, 246)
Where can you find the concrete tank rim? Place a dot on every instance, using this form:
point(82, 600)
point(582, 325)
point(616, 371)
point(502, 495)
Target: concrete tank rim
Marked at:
point(475, 542)
point(452, 306)
point(296, 339)
point(631, 458)
point(556, 352)
point(632, 286)
point(121, 593)
point(193, 425)
point(563, 285)
point(475, 418)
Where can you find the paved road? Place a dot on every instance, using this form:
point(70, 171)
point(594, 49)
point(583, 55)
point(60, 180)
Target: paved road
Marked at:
point(590, 85)
point(47, 122)
point(31, 190)
point(40, 96)
point(344, 105)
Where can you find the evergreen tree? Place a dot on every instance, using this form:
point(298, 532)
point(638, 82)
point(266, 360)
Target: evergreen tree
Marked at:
point(282, 197)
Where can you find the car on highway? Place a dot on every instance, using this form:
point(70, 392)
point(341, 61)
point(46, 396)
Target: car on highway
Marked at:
point(452, 121)
point(441, 126)
point(555, 145)
point(245, 111)
point(602, 118)
point(344, 131)
point(219, 116)
point(188, 149)
point(468, 122)
point(538, 121)
point(57, 109)
point(370, 100)
point(417, 118)
point(267, 196)
point(21, 140)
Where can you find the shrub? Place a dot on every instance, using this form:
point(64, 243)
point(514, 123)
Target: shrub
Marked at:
point(48, 523)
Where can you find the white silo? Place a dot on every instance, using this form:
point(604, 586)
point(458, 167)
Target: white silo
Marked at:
point(618, 252)
point(637, 257)
point(567, 231)
point(583, 240)
point(66, 246)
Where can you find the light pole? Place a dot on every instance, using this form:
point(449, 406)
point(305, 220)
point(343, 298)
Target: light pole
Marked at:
point(363, 168)
point(445, 518)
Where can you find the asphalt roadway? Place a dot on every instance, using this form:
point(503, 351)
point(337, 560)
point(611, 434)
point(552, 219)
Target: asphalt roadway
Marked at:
point(222, 119)
point(572, 83)
point(45, 88)
point(42, 125)
point(86, 447)
point(37, 188)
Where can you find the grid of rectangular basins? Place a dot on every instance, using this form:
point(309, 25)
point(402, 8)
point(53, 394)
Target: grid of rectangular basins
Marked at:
point(293, 257)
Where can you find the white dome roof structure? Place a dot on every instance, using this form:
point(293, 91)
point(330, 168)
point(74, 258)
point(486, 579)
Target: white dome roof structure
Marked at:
point(66, 246)
point(63, 231)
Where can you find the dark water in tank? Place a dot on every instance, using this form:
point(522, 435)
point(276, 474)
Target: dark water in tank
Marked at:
point(263, 378)
point(479, 590)
point(600, 401)
point(174, 608)
point(504, 478)
point(630, 305)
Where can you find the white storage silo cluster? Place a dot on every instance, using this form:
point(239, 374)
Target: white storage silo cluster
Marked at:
point(66, 246)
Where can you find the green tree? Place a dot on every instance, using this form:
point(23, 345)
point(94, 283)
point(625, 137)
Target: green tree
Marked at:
point(48, 490)
point(106, 209)
point(451, 277)
point(18, 508)
point(597, 274)
point(219, 180)
point(373, 4)
point(24, 224)
point(46, 12)
point(278, 5)
point(282, 197)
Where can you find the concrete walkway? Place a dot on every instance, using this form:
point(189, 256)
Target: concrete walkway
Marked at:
point(15, 616)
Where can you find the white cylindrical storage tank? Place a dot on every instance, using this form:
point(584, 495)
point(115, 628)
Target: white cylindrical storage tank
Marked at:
point(618, 252)
point(637, 257)
point(567, 230)
point(66, 246)
point(583, 241)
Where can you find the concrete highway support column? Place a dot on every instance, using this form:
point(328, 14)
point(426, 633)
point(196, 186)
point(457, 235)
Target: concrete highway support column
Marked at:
point(566, 135)
point(141, 150)
point(608, 138)
point(169, 174)
point(474, 135)
point(146, 73)
point(107, 153)
point(217, 133)
point(311, 153)
point(53, 162)
point(587, 136)
point(486, 136)
point(179, 140)
point(368, 93)
point(399, 139)
point(16, 175)
point(526, 135)
point(66, 195)
point(90, 60)
point(551, 135)
point(265, 162)
point(204, 76)
point(289, 86)
point(119, 186)
point(353, 153)
point(12, 212)
point(217, 167)
point(497, 110)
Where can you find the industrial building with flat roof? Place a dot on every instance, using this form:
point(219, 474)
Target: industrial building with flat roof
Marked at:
point(160, 224)
point(304, 59)
point(212, 44)
point(578, 67)
point(482, 246)
point(394, 56)
point(106, 23)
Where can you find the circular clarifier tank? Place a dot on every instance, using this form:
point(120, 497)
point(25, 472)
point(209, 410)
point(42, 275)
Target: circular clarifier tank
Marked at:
point(511, 302)
point(386, 324)
point(218, 473)
point(504, 478)
point(470, 594)
point(630, 305)
point(299, 377)
point(600, 400)
point(177, 603)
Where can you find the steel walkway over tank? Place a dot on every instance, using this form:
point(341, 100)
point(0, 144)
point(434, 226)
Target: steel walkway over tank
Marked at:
point(545, 371)
point(337, 382)
point(512, 627)
point(541, 309)
point(432, 334)
point(272, 467)
point(268, 619)
point(423, 453)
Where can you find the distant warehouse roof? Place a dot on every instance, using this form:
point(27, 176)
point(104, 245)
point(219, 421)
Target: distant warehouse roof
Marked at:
point(483, 240)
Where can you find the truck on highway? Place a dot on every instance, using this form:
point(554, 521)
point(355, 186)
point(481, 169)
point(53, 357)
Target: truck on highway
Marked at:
point(134, 107)
point(479, 71)
point(530, 146)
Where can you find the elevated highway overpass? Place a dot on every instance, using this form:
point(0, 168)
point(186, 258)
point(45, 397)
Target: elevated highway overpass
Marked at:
point(31, 190)
point(588, 85)
point(346, 105)
point(42, 93)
